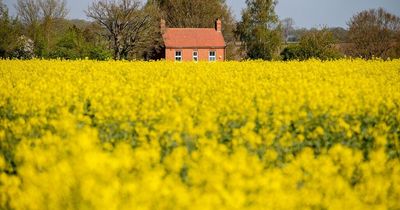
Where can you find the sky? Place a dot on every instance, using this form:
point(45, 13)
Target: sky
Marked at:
point(305, 13)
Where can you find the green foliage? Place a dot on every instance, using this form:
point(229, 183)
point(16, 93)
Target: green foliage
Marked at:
point(70, 46)
point(4, 23)
point(291, 52)
point(98, 53)
point(74, 45)
point(313, 44)
point(10, 30)
point(260, 30)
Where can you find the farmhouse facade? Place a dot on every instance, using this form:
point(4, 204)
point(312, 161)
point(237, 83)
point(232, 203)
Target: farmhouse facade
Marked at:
point(194, 44)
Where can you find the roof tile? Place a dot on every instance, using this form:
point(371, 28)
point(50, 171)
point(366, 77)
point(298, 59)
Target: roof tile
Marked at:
point(193, 37)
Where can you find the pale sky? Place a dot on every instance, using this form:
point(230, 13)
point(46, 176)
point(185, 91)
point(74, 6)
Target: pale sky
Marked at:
point(306, 13)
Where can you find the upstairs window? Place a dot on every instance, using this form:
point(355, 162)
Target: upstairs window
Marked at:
point(212, 56)
point(195, 56)
point(178, 55)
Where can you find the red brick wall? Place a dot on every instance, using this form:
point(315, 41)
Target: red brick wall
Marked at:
point(187, 54)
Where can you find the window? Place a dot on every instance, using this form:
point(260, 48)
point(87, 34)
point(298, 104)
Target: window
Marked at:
point(195, 56)
point(178, 55)
point(212, 56)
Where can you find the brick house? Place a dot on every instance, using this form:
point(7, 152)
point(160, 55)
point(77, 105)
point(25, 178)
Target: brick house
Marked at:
point(194, 44)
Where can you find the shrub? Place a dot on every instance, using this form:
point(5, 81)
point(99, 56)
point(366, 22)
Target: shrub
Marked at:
point(318, 44)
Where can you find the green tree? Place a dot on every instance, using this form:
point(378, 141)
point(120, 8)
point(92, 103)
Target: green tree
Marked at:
point(71, 45)
point(79, 44)
point(259, 30)
point(4, 29)
point(10, 30)
point(313, 44)
point(97, 46)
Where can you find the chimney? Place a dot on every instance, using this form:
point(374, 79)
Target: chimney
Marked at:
point(218, 25)
point(163, 26)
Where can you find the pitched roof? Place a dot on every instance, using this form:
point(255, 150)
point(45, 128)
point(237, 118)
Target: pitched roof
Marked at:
point(193, 37)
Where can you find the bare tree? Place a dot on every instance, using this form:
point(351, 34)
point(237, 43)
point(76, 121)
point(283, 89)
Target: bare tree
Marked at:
point(54, 9)
point(41, 13)
point(288, 27)
point(194, 13)
point(32, 11)
point(127, 23)
point(373, 33)
point(29, 12)
point(51, 10)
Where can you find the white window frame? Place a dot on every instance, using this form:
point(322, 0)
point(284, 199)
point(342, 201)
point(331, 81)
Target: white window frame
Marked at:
point(212, 58)
point(178, 58)
point(195, 57)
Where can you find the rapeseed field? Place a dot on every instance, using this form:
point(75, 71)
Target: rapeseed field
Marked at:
point(234, 135)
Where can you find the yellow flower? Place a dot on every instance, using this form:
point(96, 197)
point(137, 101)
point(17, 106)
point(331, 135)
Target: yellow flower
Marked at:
point(233, 135)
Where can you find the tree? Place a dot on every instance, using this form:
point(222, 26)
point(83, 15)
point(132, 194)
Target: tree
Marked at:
point(396, 49)
point(260, 30)
point(194, 13)
point(39, 17)
point(4, 28)
point(24, 48)
point(199, 14)
point(77, 44)
point(127, 23)
point(51, 10)
point(97, 46)
point(71, 45)
point(29, 12)
point(287, 26)
point(373, 33)
point(319, 44)
point(10, 29)
point(340, 34)
point(313, 44)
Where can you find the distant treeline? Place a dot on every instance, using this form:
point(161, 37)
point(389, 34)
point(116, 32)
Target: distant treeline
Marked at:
point(129, 29)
